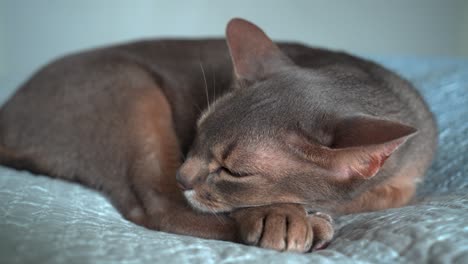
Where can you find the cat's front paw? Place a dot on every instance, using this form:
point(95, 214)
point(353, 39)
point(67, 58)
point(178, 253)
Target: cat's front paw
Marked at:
point(283, 227)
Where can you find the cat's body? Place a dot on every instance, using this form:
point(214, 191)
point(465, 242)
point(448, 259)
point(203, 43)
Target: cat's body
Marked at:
point(121, 119)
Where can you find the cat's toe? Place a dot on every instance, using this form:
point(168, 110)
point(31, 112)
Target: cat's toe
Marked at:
point(252, 232)
point(274, 232)
point(322, 228)
point(300, 235)
point(250, 225)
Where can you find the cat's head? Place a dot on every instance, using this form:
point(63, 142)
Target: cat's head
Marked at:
point(266, 142)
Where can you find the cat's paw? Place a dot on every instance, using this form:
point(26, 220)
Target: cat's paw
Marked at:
point(283, 227)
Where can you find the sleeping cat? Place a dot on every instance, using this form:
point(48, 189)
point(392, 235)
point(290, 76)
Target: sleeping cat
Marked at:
point(265, 141)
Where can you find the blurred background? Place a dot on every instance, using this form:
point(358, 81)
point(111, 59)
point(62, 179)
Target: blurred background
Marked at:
point(32, 32)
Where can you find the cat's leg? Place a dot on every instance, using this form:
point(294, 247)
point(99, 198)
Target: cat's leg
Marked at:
point(284, 227)
point(117, 189)
point(126, 201)
point(112, 132)
point(156, 159)
point(395, 192)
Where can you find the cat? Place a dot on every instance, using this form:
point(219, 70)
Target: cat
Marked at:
point(243, 140)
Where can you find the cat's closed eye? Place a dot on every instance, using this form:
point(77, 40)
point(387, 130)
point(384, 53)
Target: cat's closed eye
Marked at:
point(231, 172)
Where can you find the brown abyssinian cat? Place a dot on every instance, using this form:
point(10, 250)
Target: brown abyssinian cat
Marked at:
point(267, 140)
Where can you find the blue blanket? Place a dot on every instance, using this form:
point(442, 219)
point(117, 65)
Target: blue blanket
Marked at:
point(43, 220)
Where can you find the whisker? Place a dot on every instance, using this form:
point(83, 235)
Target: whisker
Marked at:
point(213, 211)
point(206, 86)
point(216, 215)
point(214, 86)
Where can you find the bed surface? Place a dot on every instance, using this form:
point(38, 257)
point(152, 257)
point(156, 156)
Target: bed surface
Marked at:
point(43, 220)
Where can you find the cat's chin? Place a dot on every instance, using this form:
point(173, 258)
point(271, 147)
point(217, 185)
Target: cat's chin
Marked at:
point(191, 197)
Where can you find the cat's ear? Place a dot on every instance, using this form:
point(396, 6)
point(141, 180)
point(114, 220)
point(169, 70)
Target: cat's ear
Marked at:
point(254, 55)
point(361, 145)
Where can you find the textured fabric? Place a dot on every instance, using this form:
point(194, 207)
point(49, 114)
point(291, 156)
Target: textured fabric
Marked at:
point(43, 220)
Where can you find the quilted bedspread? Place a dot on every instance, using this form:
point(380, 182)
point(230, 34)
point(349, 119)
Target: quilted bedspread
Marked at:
point(44, 220)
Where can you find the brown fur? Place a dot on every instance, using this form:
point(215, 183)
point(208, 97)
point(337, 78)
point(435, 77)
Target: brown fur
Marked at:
point(395, 192)
point(258, 134)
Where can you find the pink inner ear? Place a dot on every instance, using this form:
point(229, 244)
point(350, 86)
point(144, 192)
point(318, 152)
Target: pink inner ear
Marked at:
point(365, 162)
point(372, 167)
point(362, 144)
point(253, 54)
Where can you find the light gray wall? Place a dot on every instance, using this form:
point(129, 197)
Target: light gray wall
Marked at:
point(34, 31)
point(463, 43)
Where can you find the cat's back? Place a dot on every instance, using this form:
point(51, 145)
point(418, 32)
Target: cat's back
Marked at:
point(90, 74)
point(181, 65)
point(363, 85)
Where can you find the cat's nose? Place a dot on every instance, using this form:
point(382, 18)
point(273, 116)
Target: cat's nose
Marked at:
point(182, 182)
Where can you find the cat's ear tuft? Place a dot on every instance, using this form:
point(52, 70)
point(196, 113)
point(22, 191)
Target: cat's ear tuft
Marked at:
point(363, 143)
point(253, 54)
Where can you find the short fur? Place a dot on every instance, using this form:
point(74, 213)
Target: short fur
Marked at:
point(285, 128)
